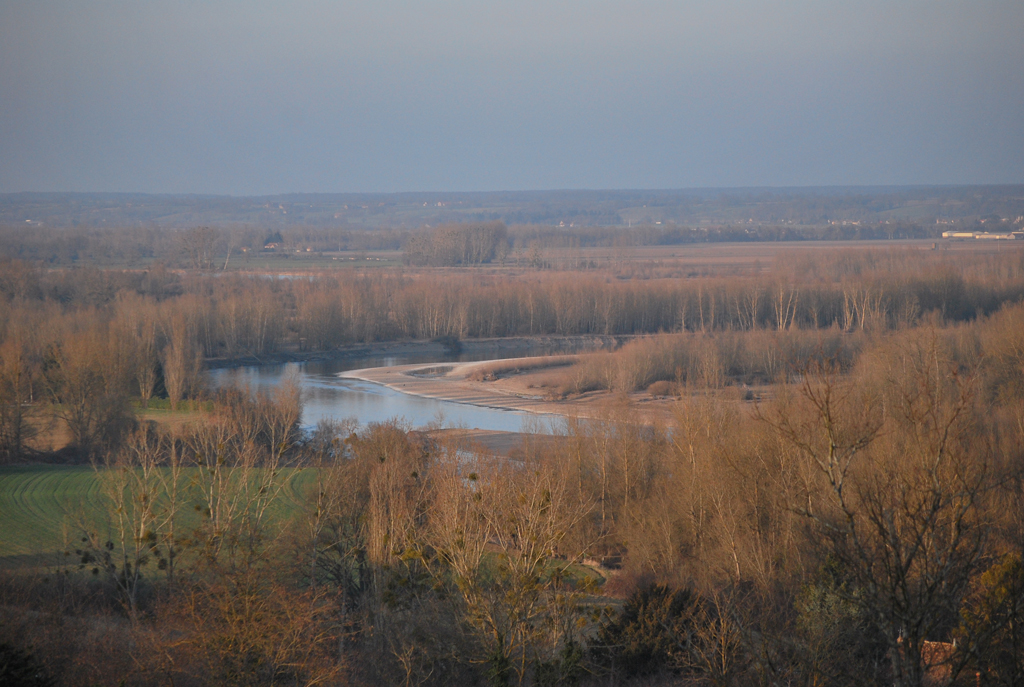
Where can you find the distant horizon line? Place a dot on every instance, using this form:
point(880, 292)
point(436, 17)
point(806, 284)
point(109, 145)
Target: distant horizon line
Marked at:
point(681, 189)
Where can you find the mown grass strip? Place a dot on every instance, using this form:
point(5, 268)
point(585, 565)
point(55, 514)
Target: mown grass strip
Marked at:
point(35, 502)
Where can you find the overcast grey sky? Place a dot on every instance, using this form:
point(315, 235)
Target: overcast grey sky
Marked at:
point(264, 97)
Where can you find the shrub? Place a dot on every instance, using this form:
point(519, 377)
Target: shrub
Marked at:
point(662, 388)
point(20, 669)
point(651, 633)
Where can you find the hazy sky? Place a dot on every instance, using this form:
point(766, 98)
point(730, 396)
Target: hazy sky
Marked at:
point(264, 97)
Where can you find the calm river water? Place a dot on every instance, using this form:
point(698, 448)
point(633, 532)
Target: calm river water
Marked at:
point(327, 395)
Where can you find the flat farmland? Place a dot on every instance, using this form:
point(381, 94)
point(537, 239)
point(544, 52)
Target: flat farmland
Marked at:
point(314, 261)
point(728, 259)
point(714, 259)
point(673, 261)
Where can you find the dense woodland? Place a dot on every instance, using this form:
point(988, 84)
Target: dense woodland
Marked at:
point(838, 499)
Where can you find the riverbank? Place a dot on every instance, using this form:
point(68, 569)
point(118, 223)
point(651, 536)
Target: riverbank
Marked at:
point(451, 382)
point(518, 389)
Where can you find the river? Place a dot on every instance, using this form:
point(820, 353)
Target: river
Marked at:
point(327, 396)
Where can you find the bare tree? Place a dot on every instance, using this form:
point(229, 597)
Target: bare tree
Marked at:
point(786, 301)
point(138, 321)
point(131, 484)
point(181, 360)
point(240, 451)
point(526, 513)
point(197, 244)
point(173, 490)
point(84, 394)
point(18, 414)
point(325, 455)
point(895, 484)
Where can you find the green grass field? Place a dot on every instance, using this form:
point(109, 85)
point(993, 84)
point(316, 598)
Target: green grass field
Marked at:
point(35, 502)
point(40, 503)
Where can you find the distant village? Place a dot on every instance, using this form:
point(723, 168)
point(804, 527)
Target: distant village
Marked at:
point(1004, 235)
point(984, 235)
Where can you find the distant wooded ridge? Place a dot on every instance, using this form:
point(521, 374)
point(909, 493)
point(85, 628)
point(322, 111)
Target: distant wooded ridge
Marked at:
point(797, 206)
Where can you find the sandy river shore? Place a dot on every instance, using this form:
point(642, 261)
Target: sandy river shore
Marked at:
point(515, 387)
point(451, 382)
